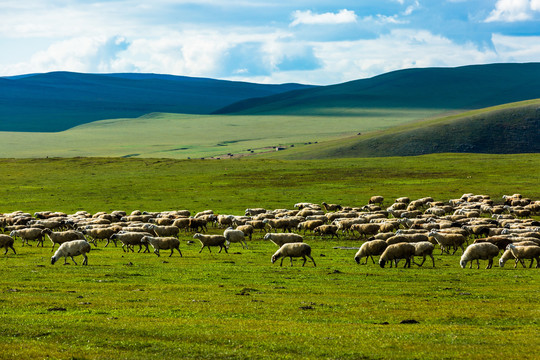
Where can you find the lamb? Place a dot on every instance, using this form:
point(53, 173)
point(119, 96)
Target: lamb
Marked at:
point(234, 236)
point(281, 239)
point(7, 242)
point(130, 239)
point(525, 252)
point(246, 229)
point(447, 240)
point(370, 248)
point(480, 251)
point(424, 248)
point(297, 249)
point(32, 233)
point(62, 236)
point(162, 243)
point(71, 249)
point(327, 230)
point(211, 240)
point(397, 252)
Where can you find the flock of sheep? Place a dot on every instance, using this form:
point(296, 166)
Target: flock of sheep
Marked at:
point(404, 230)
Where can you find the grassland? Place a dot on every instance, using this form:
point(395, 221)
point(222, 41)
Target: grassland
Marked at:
point(195, 136)
point(239, 305)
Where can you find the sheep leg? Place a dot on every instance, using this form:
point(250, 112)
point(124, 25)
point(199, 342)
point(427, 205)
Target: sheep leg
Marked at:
point(225, 250)
point(372, 259)
point(432, 259)
point(85, 261)
point(314, 260)
point(73, 260)
point(156, 251)
point(179, 251)
point(52, 249)
point(422, 263)
point(477, 263)
point(201, 249)
point(303, 257)
point(290, 257)
point(490, 263)
point(281, 263)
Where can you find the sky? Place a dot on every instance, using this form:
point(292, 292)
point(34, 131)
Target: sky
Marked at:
point(311, 42)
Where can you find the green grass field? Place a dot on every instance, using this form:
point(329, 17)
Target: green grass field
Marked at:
point(195, 136)
point(239, 305)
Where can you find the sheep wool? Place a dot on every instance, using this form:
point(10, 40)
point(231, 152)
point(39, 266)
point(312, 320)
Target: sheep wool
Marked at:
point(71, 249)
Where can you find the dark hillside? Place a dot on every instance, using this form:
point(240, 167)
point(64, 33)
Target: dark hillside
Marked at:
point(61, 100)
point(467, 87)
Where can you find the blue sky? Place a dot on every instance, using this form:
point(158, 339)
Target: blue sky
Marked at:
point(315, 42)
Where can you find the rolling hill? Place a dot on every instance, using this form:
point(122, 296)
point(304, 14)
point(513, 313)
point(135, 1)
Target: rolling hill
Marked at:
point(506, 129)
point(61, 100)
point(460, 88)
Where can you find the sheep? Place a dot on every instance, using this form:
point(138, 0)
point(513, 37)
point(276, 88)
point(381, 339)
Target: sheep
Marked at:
point(62, 236)
point(447, 240)
point(71, 249)
point(225, 220)
point(404, 200)
point(102, 233)
point(257, 224)
point(7, 242)
point(365, 229)
point(182, 223)
point(234, 236)
point(211, 240)
point(525, 252)
point(309, 225)
point(32, 233)
point(255, 211)
point(162, 243)
point(396, 252)
point(297, 249)
point(376, 200)
point(278, 224)
point(424, 248)
point(246, 229)
point(370, 248)
point(165, 231)
point(130, 239)
point(500, 241)
point(480, 251)
point(331, 207)
point(197, 223)
point(327, 230)
point(280, 239)
point(406, 238)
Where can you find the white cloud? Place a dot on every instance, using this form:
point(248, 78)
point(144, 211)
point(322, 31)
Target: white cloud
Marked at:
point(307, 17)
point(513, 10)
point(411, 8)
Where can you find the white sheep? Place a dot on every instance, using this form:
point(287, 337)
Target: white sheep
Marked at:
point(246, 229)
point(235, 236)
point(283, 238)
point(131, 238)
point(397, 252)
point(424, 248)
point(162, 243)
point(507, 255)
point(298, 249)
point(7, 242)
point(369, 249)
point(447, 240)
point(525, 252)
point(211, 240)
point(71, 249)
point(376, 200)
point(480, 251)
point(28, 234)
point(61, 237)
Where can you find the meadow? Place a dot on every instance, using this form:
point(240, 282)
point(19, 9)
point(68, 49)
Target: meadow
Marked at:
point(239, 305)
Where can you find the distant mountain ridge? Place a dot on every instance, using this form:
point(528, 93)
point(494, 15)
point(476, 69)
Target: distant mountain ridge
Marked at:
point(58, 101)
point(458, 88)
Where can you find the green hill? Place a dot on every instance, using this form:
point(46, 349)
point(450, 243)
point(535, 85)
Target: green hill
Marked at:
point(505, 129)
point(460, 88)
point(61, 100)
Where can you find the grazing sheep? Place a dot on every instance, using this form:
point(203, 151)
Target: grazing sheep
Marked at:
point(447, 240)
point(162, 243)
point(480, 251)
point(525, 252)
point(365, 229)
point(424, 248)
point(7, 242)
point(298, 249)
point(246, 229)
point(331, 207)
point(327, 230)
point(235, 236)
point(369, 249)
point(280, 239)
point(197, 223)
point(71, 249)
point(102, 233)
point(309, 225)
point(28, 234)
point(165, 231)
point(211, 240)
point(62, 236)
point(376, 200)
point(397, 252)
point(130, 239)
